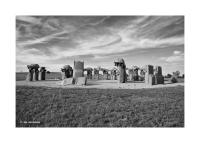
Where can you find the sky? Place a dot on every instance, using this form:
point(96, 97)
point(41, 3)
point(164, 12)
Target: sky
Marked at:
point(54, 41)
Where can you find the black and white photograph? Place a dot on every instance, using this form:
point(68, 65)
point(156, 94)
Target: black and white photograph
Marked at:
point(100, 71)
point(111, 71)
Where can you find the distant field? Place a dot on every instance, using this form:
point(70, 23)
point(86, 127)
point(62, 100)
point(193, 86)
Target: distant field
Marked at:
point(59, 107)
point(57, 75)
point(52, 75)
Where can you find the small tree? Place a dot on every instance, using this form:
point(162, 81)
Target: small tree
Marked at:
point(176, 73)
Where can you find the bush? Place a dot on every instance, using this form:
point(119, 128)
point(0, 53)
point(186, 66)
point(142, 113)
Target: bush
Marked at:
point(169, 75)
point(174, 80)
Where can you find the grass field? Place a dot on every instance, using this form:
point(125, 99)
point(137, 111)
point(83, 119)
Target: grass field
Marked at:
point(59, 107)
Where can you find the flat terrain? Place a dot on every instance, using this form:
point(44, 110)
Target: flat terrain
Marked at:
point(100, 84)
point(90, 107)
point(54, 80)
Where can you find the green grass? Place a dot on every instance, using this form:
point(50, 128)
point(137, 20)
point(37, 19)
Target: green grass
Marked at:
point(58, 107)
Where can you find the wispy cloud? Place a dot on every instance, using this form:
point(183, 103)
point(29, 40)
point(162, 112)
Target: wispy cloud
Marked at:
point(29, 19)
point(43, 39)
point(177, 56)
point(177, 52)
